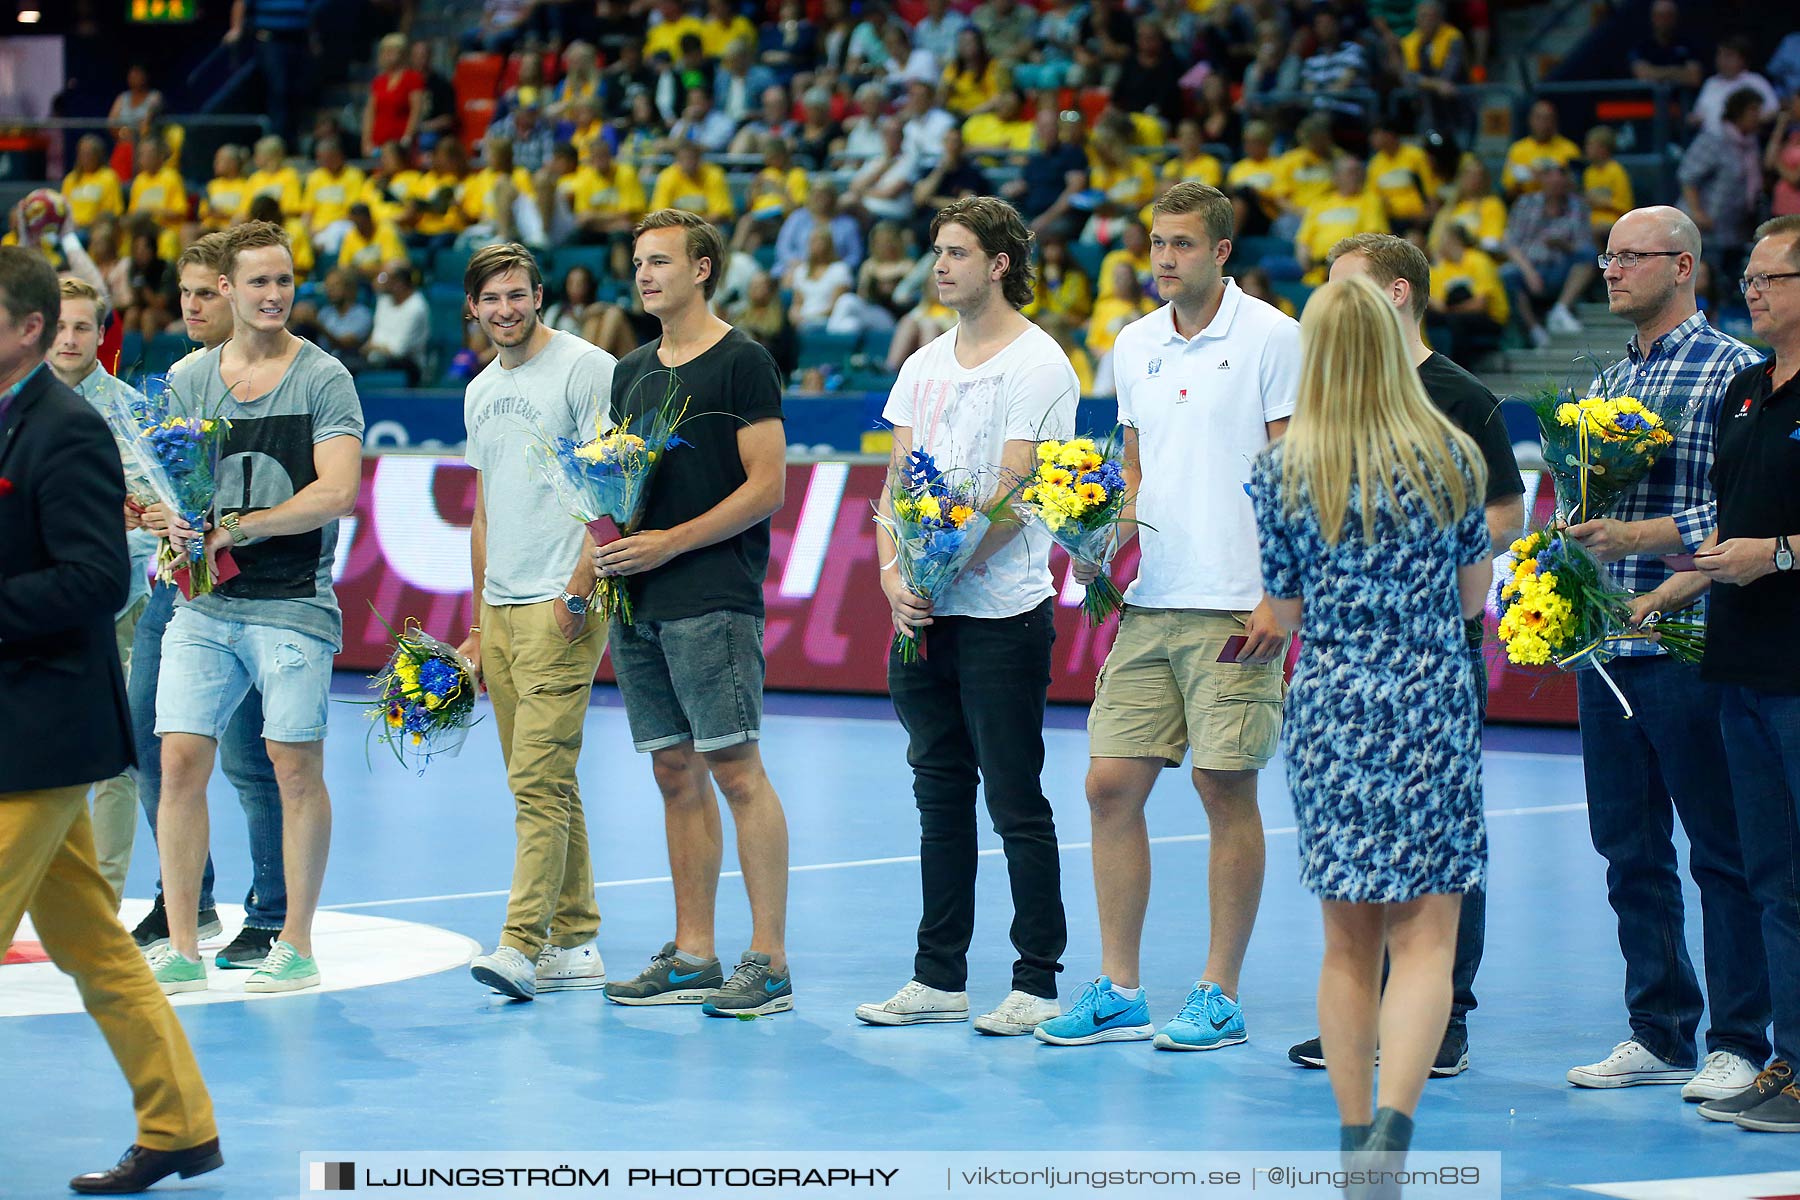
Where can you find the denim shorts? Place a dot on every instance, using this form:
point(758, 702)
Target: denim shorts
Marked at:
point(209, 665)
point(696, 679)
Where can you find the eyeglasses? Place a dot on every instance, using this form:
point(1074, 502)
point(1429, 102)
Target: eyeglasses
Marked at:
point(1761, 282)
point(1631, 258)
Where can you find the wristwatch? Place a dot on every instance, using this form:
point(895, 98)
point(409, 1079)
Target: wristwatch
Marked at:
point(577, 605)
point(1784, 554)
point(229, 523)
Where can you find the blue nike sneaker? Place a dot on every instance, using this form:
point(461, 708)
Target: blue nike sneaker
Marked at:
point(1210, 1019)
point(1099, 1015)
point(669, 980)
point(754, 990)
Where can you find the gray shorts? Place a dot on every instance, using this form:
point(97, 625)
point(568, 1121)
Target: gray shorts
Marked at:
point(696, 679)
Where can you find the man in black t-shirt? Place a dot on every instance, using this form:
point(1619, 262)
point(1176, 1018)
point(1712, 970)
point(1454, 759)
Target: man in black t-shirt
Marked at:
point(1400, 270)
point(690, 662)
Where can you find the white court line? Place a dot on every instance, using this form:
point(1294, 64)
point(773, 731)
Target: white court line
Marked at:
point(991, 852)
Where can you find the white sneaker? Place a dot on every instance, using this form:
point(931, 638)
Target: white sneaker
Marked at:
point(570, 968)
point(916, 1004)
point(506, 971)
point(1018, 1014)
point(1561, 320)
point(1628, 1066)
point(1722, 1074)
point(1540, 337)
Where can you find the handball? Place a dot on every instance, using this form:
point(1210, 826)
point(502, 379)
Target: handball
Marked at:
point(42, 215)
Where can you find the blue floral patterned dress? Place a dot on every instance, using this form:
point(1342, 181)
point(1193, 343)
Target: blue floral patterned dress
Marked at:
point(1382, 735)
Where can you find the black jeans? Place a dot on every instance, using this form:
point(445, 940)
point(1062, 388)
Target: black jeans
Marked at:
point(973, 710)
point(1670, 760)
point(1471, 924)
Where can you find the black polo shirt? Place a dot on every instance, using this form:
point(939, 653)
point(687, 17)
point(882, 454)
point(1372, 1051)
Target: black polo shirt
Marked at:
point(1753, 631)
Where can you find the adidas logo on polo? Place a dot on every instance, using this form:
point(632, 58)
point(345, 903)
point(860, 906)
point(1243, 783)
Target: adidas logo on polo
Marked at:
point(1224, 364)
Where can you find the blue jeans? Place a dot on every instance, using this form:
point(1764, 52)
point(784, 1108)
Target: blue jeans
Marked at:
point(1762, 748)
point(1642, 773)
point(242, 755)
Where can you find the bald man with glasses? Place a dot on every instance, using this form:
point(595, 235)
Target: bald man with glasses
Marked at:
point(1643, 772)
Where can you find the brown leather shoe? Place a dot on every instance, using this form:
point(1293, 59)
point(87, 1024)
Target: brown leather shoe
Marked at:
point(139, 1168)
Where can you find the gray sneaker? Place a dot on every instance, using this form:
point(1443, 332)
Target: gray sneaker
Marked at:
point(752, 991)
point(669, 980)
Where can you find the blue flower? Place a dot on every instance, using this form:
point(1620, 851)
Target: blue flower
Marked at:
point(438, 676)
point(922, 471)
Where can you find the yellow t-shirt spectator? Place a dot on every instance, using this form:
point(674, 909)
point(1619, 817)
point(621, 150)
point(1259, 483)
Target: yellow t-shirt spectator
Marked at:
point(707, 194)
point(1477, 272)
point(1330, 220)
point(328, 197)
point(93, 195)
point(589, 193)
point(966, 93)
point(1128, 187)
point(478, 192)
point(1071, 298)
point(283, 183)
point(1403, 180)
point(987, 132)
point(1429, 58)
point(1261, 175)
point(1305, 177)
point(1111, 314)
point(584, 137)
point(778, 192)
point(1139, 267)
point(387, 199)
point(1483, 219)
point(1202, 168)
point(716, 35)
point(666, 36)
point(162, 195)
point(1523, 157)
point(440, 200)
point(366, 256)
point(1608, 191)
point(222, 200)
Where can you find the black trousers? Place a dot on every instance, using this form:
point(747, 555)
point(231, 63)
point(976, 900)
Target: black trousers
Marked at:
point(973, 710)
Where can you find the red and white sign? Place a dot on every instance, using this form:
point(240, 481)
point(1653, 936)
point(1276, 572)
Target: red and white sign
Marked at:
point(407, 551)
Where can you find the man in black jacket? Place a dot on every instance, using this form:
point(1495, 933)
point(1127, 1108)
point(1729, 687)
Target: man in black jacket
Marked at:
point(63, 571)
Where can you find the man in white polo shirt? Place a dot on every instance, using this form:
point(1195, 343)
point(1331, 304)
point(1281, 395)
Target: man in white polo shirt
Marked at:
point(1204, 383)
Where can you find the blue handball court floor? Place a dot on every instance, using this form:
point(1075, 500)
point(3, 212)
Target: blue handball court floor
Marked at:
point(406, 1052)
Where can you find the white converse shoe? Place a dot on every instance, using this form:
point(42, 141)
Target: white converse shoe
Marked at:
point(1018, 1014)
point(916, 1004)
point(570, 968)
point(1722, 1074)
point(507, 972)
point(1629, 1065)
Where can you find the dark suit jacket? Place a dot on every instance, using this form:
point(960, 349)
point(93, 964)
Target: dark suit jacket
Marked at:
point(64, 572)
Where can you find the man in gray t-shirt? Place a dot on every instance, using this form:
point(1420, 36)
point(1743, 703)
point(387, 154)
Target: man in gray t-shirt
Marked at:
point(533, 638)
point(291, 467)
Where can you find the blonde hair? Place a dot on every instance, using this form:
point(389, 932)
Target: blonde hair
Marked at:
point(81, 289)
point(1363, 418)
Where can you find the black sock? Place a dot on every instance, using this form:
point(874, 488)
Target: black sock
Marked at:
point(1352, 1137)
point(1391, 1130)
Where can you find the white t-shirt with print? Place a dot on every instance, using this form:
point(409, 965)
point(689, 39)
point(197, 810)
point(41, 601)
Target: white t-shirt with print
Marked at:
point(1200, 407)
point(964, 416)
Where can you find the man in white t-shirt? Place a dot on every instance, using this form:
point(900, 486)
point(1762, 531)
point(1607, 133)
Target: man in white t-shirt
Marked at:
point(1204, 383)
point(533, 641)
point(977, 398)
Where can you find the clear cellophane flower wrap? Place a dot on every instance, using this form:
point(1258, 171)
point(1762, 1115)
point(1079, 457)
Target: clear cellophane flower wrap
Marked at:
point(1077, 495)
point(424, 702)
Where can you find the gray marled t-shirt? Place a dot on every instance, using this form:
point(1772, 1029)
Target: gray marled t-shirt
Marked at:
point(267, 459)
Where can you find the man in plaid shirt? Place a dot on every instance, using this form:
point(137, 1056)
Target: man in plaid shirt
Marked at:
point(1549, 237)
point(1671, 753)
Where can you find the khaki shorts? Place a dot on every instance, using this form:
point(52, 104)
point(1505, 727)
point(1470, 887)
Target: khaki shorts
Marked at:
point(1163, 689)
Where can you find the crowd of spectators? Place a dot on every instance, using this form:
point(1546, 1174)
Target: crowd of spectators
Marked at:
point(822, 137)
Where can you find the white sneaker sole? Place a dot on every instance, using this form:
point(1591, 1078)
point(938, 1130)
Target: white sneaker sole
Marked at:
point(768, 1008)
point(178, 986)
point(281, 985)
point(662, 998)
point(998, 1028)
point(1450, 1072)
point(1723, 1118)
point(500, 982)
point(874, 1014)
point(1165, 1042)
point(1698, 1093)
point(1125, 1033)
point(1588, 1079)
point(574, 983)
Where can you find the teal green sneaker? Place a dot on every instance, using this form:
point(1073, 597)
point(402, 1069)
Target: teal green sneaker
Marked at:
point(754, 990)
point(175, 972)
point(1099, 1015)
point(284, 970)
point(1209, 1020)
